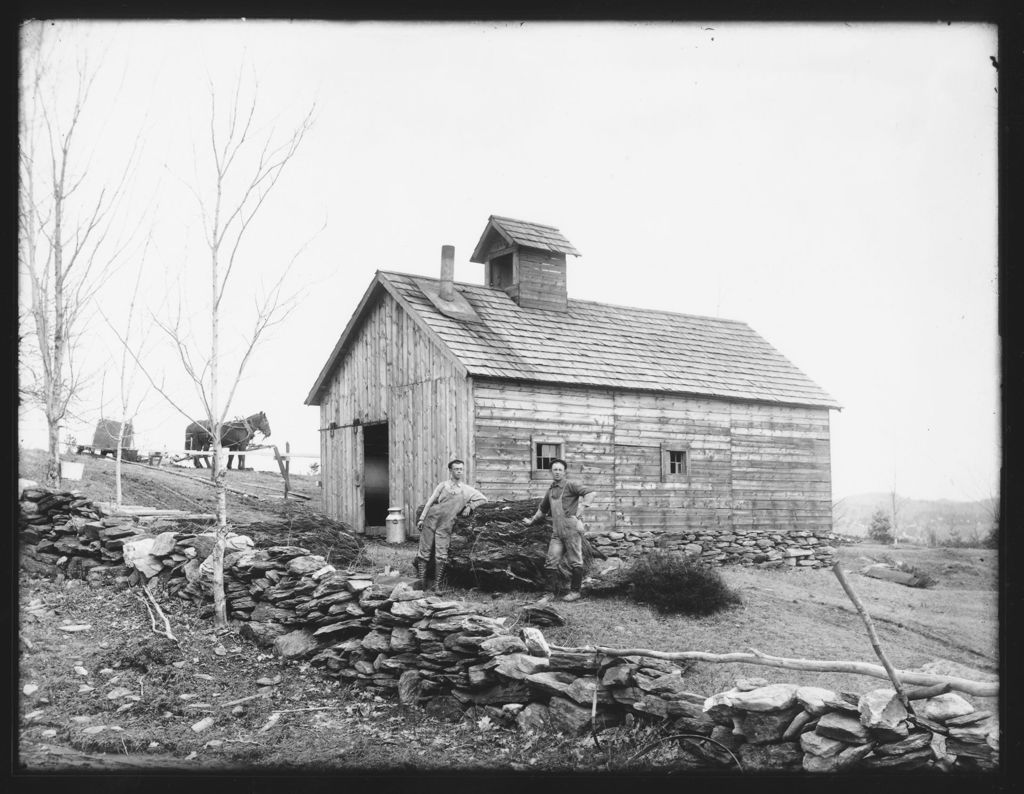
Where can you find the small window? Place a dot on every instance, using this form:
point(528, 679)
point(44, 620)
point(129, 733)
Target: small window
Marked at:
point(502, 271)
point(545, 450)
point(675, 461)
point(547, 453)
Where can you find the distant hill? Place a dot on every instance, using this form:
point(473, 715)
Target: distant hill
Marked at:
point(916, 519)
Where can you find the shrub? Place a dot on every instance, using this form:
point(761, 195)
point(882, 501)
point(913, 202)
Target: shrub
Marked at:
point(675, 583)
point(880, 530)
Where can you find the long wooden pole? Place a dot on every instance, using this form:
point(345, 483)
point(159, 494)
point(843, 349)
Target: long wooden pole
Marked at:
point(977, 688)
point(204, 480)
point(232, 489)
point(837, 569)
point(281, 466)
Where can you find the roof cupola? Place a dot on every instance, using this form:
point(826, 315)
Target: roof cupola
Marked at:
point(526, 260)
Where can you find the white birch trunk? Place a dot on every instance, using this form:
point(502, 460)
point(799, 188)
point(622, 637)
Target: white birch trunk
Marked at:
point(117, 466)
point(220, 611)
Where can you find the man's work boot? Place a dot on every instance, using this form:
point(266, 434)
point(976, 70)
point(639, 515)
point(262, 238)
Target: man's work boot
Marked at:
point(551, 586)
point(439, 581)
point(575, 586)
point(419, 566)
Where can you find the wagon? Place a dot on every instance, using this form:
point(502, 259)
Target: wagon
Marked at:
point(104, 440)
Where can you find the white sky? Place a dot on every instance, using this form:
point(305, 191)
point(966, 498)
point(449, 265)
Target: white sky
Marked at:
point(832, 185)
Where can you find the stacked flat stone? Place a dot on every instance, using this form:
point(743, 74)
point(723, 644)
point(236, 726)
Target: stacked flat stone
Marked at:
point(757, 547)
point(419, 644)
point(787, 726)
point(64, 531)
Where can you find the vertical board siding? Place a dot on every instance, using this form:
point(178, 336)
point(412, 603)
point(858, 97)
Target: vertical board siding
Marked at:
point(392, 372)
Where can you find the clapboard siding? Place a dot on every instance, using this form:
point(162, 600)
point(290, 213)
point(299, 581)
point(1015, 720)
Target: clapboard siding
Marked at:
point(749, 465)
point(781, 468)
point(508, 415)
point(643, 422)
point(541, 277)
point(393, 372)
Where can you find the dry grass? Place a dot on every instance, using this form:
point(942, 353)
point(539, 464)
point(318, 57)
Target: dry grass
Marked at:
point(803, 613)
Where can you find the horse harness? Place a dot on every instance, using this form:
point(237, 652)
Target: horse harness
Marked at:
point(249, 429)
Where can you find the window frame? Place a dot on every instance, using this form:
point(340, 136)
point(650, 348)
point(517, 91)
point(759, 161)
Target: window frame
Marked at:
point(535, 441)
point(667, 448)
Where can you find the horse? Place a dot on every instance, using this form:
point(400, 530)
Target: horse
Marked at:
point(235, 435)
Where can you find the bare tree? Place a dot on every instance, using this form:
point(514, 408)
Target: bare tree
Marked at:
point(67, 228)
point(896, 504)
point(130, 402)
point(245, 168)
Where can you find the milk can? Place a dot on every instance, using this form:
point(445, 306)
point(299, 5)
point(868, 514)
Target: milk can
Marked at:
point(395, 523)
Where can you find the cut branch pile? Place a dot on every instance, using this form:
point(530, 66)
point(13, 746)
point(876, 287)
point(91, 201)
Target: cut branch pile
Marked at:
point(334, 540)
point(493, 550)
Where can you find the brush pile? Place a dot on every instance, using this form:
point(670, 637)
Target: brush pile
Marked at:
point(334, 540)
point(492, 549)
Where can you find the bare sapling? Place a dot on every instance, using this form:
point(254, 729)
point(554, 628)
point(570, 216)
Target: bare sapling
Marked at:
point(130, 353)
point(244, 168)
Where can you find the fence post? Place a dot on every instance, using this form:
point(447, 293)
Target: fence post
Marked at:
point(287, 466)
point(281, 465)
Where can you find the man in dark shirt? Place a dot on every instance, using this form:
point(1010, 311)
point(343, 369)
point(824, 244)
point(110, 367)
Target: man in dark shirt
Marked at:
point(564, 501)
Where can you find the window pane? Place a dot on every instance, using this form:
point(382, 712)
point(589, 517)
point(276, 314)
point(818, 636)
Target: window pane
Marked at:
point(677, 462)
point(546, 453)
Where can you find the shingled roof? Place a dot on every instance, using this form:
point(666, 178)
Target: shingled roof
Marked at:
point(532, 235)
point(599, 344)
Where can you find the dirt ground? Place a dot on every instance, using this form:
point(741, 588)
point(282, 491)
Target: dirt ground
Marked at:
point(183, 487)
point(101, 691)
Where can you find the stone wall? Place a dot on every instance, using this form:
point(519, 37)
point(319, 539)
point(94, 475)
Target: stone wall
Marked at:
point(376, 631)
point(763, 548)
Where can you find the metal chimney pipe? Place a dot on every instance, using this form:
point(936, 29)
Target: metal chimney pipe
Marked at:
point(447, 291)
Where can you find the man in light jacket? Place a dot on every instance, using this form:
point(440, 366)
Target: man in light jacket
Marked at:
point(451, 498)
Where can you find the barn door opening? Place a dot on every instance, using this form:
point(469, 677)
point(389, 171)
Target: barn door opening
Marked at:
point(375, 476)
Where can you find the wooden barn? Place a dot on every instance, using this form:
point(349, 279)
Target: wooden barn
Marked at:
point(683, 424)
